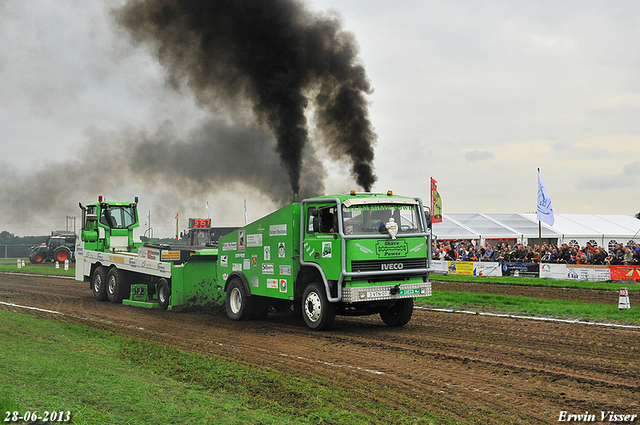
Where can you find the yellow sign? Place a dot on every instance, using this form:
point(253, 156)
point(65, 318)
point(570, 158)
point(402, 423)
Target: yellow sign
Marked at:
point(170, 256)
point(461, 267)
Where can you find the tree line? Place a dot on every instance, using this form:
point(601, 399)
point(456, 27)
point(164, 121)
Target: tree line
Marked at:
point(7, 238)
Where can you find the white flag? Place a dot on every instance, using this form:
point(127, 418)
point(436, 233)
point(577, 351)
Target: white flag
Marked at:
point(207, 205)
point(545, 211)
point(246, 220)
point(146, 220)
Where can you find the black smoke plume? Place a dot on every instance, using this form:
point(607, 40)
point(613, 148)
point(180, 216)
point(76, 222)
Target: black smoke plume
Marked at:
point(276, 59)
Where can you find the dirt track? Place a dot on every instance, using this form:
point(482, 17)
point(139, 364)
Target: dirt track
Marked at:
point(465, 367)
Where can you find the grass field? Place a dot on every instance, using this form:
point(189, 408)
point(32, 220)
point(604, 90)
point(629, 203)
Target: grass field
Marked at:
point(10, 265)
point(561, 309)
point(101, 378)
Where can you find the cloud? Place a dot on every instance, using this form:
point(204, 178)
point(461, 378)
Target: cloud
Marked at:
point(477, 155)
point(626, 179)
point(632, 168)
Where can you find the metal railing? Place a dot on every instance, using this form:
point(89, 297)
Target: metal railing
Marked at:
point(14, 251)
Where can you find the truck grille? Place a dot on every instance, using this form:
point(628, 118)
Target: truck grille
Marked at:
point(386, 265)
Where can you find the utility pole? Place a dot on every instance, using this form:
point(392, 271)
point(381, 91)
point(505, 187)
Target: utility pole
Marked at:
point(71, 219)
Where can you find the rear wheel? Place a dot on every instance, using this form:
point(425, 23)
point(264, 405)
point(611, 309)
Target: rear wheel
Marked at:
point(117, 285)
point(99, 283)
point(399, 314)
point(318, 312)
point(164, 292)
point(238, 304)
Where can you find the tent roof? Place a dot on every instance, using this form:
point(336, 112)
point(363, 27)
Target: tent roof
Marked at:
point(449, 229)
point(525, 225)
point(593, 225)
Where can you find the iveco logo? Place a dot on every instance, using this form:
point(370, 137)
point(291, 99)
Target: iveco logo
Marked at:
point(392, 266)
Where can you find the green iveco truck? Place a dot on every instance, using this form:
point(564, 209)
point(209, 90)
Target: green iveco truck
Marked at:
point(355, 254)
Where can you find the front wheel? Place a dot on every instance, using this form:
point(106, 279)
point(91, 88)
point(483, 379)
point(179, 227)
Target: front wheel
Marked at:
point(399, 314)
point(62, 254)
point(238, 304)
point(319, 314)
point(37, 257)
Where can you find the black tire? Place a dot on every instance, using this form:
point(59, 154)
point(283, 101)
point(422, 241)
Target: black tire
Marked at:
point(117, 285)
point(62, 254)
point(164, 292)
point(399, 314)
point(238, 304)
point(99, 283)
point(318, 313)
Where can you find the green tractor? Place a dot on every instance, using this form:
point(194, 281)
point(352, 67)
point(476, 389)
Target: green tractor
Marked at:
point(59, 247)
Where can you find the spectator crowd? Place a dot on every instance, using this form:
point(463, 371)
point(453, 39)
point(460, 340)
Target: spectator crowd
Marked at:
point(547, 253)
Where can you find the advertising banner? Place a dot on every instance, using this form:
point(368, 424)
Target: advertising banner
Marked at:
point(588, 273)
point(553, 271)
point(575, 272)
point(461, 268)
point(522, 269)
point(625, 273)
point(440, 266)
point(487, 269)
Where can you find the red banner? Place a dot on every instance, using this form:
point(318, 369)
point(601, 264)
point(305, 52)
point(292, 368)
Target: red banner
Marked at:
point(625, 273)
point(436, 203)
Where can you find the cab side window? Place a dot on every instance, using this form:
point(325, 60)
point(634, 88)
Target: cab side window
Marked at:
point(322, 220)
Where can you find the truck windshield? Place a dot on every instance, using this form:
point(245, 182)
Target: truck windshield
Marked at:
point(118, 216)
point(367, 219)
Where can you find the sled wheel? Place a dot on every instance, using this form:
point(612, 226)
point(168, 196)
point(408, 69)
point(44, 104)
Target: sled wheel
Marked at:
point(117, 285)
point(99, 283)
point(164, 292)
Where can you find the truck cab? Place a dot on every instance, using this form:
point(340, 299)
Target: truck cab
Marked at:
point(354, 254)
point(369, 252)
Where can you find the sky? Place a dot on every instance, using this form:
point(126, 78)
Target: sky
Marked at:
point(477, 95)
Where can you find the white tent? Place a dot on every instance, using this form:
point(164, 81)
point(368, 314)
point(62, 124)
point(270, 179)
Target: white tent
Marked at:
point(601, 230)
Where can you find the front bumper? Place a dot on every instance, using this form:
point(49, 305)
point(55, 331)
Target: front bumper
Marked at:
point(386, 292)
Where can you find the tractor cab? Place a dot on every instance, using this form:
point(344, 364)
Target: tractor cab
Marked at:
point(109, 226)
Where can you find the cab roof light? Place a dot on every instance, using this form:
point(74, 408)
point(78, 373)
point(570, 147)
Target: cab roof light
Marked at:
point(352, 193)
point(136, 199)
point(389, 192)
point(99, 198)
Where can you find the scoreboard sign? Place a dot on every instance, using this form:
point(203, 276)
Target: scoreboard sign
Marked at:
point(199, 223)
